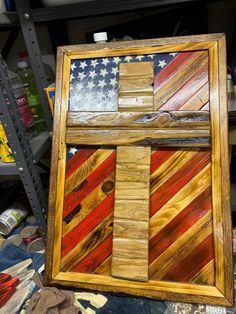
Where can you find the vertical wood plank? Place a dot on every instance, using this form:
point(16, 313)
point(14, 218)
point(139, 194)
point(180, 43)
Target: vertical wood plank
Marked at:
point(136, 86)
point(54, 168)
point(225, 187)
point(60, 158)
point(131, 227)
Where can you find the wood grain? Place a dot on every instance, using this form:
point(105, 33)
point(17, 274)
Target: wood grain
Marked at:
point(221, 290)
point(130, 268)
point(135, 86)
point(130, 237)
point(153, 119)
point(143, 137)
point(180, 78)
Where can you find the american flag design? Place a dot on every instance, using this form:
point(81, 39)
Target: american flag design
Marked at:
point(181, 247)
point(94, 82)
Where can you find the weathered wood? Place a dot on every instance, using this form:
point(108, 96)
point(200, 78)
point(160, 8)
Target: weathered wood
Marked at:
point(218, 289)
point(180, 78)
point(221, 187)
point(132, 209)
point(156, 119)
point(143, 137)
point(136, 86)
point(58, 111)
point(130, 237)
point(132, 269)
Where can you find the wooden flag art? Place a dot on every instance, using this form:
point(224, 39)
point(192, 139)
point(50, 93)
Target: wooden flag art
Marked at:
point(139, 188)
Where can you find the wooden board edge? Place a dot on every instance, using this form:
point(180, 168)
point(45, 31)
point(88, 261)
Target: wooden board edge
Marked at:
point(154, 289)
point(226, 206)
point(53, 170)
point(146, 42)
point(58, 159)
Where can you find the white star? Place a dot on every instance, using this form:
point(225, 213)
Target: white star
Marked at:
point(151, 56)
point(94, 62)
point(101, 83)
point(111, 93)
point(162, 63)
point(91, 85)
point(114, 71)
point(72, 76)
point(103, 72)
point(100, 95)
point(92, 74)
point(113, 82)
point(83, 64)
point(116, 60)
point(73, 66)
point(139, 57)
point(105, 61)
point(81, 75)
point(173, 54)
point(128, 58)
point(73, 150)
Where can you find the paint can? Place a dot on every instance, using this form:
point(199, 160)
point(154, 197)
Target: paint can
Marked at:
point(36, 246)
point(29, 234)
point(31, 219)
point(11, 218)
point(15, 239)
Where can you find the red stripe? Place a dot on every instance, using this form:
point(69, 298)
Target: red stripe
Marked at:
point(188, 90)
point(90, 183)
point(95, 258)
point(189, 266)
point(77, 160)
point(159, 156)
point(178, 180)
point(87, 225)
point(180, 224)
point(174, 66)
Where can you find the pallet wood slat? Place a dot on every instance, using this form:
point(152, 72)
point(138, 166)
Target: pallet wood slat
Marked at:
point(130, 237)
point(122, 220)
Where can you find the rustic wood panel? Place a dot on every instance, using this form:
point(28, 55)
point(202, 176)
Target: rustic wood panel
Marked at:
point(212, 280)
point(152, 119)
point(143, 137)
point(136, 86)
point(130, 237)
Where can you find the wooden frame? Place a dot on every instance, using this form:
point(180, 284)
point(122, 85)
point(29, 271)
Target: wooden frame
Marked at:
point(221, 291)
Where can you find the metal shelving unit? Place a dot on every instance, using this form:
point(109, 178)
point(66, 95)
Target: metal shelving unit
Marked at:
point(26, 154)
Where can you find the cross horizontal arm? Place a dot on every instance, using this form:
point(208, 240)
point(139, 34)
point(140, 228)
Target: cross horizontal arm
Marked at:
point(154, 119)
point(193, 137)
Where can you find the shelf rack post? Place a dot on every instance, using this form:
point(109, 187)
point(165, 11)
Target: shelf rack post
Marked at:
point(21, 150)
point(35, 57)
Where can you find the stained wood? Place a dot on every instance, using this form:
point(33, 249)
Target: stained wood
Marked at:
point(180, 78)
point(130, 237)
point(136, 86)
point(219, 289)
point(156, 119)
point(130, 268)
point(143, 137)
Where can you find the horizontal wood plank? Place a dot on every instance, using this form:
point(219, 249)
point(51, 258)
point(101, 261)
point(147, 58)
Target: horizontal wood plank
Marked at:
point(124, 228)
point(132, 209)
point(130, 248)
point(151, 137)
point(132, 269)
point(154, 119)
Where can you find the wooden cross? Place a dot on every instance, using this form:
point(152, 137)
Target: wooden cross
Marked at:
point(134, 129)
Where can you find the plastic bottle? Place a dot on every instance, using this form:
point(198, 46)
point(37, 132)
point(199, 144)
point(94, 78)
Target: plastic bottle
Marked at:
point(22, 103)
point(100, 37)
point(26, 75)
